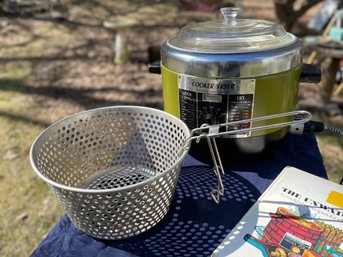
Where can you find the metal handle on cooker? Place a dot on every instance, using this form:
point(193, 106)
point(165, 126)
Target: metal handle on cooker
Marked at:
point(210, 132)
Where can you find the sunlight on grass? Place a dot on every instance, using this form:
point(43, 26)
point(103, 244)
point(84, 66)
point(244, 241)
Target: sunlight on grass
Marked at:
point(28, 208)
point(14, 71)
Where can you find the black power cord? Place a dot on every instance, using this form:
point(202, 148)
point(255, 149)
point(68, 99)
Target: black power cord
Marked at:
point(316, 126)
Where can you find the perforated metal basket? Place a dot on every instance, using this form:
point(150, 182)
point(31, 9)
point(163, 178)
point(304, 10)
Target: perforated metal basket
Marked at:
point(115, 169)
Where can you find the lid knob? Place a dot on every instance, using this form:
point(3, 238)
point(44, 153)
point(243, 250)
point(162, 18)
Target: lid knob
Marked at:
point(229, 13)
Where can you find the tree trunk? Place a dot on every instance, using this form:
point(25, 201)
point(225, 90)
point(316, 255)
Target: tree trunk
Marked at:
point(287, 16)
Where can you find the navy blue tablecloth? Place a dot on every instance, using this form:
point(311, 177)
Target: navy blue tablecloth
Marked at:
point(194, 225)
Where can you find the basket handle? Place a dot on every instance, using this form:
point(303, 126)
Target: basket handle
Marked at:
point(210, 132)
point(299, 117)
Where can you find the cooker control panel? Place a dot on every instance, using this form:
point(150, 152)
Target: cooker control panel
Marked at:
point(215, 101)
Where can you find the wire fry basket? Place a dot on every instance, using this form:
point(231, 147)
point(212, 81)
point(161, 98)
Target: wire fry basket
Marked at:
point(114, 170)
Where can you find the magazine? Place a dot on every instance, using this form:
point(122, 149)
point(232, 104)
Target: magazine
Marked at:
point(299, 214)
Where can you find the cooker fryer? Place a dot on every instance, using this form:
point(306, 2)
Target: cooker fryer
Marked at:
point(233, 69)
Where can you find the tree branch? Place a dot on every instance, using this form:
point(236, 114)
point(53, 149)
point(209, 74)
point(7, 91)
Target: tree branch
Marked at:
point(297, 14)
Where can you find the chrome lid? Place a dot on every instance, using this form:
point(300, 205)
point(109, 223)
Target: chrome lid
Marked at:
point(238, 43)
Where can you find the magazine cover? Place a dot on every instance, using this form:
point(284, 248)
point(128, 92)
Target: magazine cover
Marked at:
point(298, 215)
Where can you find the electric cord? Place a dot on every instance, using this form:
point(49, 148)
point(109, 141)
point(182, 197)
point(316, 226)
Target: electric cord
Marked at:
point(334, 129)
point(316, 126)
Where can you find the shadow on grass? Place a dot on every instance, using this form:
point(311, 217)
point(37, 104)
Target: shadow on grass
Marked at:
point(49, 66)
point(49, 69)
point(21, 118)
point(60, 55)
point(81, 96)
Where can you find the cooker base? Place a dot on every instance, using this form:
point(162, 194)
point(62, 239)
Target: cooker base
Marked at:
point(233, 150)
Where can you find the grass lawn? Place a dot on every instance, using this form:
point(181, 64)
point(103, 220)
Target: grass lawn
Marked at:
point(28, 208)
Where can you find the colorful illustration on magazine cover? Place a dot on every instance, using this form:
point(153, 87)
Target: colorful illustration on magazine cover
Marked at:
point(288, 234)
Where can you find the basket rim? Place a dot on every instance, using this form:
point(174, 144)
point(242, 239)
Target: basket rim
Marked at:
point(85, 190)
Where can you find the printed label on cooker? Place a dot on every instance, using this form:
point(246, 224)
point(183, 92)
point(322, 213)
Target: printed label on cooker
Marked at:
point(214, 101)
